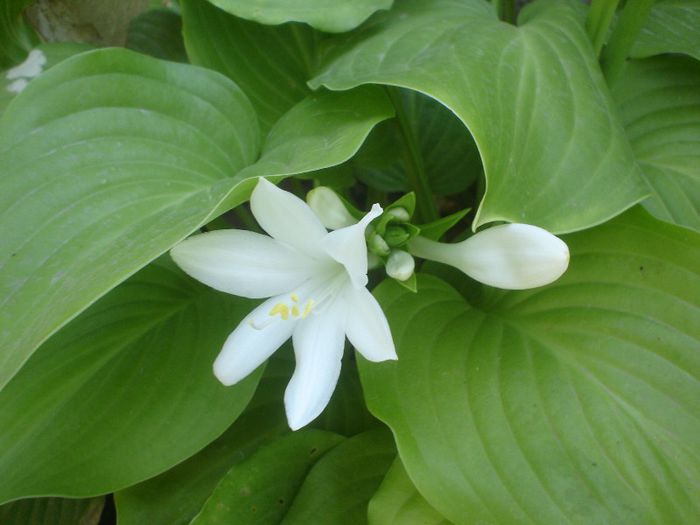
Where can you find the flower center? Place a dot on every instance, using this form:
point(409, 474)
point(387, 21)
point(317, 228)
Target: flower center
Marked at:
point(285, 309)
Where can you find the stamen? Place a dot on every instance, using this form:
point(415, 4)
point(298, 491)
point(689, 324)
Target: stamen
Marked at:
point(295, 297)
point(295, 311)
point(307, 308)
point(281, 309)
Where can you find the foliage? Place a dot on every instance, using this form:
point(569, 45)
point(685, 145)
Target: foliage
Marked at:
point(575, 402)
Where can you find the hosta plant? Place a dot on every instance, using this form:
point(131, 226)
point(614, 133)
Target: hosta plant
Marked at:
point(361, 261)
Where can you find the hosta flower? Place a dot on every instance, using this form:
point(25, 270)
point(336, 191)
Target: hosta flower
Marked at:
point(510, 256)
point(316, 282)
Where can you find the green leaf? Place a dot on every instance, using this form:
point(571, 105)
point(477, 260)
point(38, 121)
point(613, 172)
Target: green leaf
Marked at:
point(397, 502)
point(16, 37)
point(148, 152)
point(124, 392)
point(52, 511)
point(341, 484)
point(448, 153)
point(107, 160)
point(333, 16)
point(672, 27)
point(659, 101)
point(436, 229)
point(260, 489)
point(572, 403)
point(177, 496)
point(522, 92)
point(270, 64)
point(158, 33)
point(325, 125)
point(54, 53)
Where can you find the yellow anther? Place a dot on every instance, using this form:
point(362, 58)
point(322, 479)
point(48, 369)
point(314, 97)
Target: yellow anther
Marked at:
point(295, 298)
point(295, 311)
point(307, 309)
point(281, 309)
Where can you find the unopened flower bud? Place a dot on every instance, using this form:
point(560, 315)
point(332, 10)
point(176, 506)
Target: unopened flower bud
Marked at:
point(329, 208)
point(396, 236)
point(400, 265)
point(400, 213)
point(378, 245)
point(510, 256)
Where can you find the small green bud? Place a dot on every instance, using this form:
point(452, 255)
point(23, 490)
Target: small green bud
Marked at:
point(377, 245)
point(396, 236)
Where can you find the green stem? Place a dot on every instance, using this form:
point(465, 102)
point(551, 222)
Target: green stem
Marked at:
point(600, 15)
point(505, 10)
point(426, 210)
point(614, 55)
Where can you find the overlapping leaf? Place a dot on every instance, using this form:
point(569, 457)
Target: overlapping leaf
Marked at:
point(158, 33)
point(659, 100)
point(16, 37)
point(52, 511)
point(270, 64)
point(574, 403)
point(124, 392)
point(110, 158)
point(524, 92)
point(326, 15)
point(672, 27)
point(341, 483)
point(397, 502)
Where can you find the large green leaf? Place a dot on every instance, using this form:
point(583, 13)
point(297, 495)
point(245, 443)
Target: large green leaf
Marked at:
point(340, 485)
point(270, 64)
point(573, 403)
point(177, 496)
point(326, 15)
point(122, 393)
point(260, 489)
point(524, 93)
point(136, 153)
point(53, 52)
point(672, 27)
point(107, 160)
point(157, 32)
point(52, 511)
point(659, 99)
point(446, 150)
point(397, 502)
point(325, 125)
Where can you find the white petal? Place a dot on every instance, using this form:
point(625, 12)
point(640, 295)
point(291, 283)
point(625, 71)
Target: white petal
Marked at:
point(243, 263)
point(318, 348)
point(367, 327)
point(286, 217)
point(510, 256)
point(329, 208)
point(30, 68)
point(254, 340)
point(348, 247)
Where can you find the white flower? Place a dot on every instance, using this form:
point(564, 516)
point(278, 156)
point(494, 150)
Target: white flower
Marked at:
point(316, 281)
point(510, 256)
point(26, 71)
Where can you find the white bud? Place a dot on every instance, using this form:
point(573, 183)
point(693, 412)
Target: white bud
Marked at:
point(329, 208)
point(510, 256)
point(400, 213)
point(400, 265)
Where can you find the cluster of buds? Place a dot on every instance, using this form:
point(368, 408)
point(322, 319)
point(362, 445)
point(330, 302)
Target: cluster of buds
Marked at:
point(509, 256)
point(387, 236)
